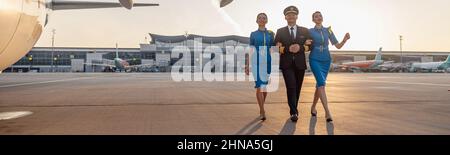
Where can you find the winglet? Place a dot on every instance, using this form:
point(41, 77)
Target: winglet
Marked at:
point(224, 3)
point(127, 4)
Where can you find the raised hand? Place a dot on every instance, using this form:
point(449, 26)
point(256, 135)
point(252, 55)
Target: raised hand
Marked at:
point(347, 36)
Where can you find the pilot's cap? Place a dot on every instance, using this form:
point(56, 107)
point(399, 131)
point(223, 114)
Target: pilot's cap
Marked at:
point(291, 9)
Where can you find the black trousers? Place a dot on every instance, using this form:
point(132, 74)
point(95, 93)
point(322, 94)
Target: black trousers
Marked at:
point(293, 79)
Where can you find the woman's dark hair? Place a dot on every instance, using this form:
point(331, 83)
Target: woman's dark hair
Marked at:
point(315, 14)
point(260, 15)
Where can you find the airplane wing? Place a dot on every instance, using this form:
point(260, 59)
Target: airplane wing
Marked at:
point(354, 68)
point(142, 65)
point(70, 5)
point(103, 65)
point(129, 4)
point(344, 66)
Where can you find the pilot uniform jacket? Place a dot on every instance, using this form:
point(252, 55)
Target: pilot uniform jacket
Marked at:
point(293, 65)
point(288, 59)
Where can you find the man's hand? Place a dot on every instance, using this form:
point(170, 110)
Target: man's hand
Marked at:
point(308, 42)
point(247, 70)
point(295, 48)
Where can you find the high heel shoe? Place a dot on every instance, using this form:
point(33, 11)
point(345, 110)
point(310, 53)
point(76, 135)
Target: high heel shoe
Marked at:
point(328, 117)
point(313, 114)
point(262, 116)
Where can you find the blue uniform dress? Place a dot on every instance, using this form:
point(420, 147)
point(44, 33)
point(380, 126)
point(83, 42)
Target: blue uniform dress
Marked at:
point(261, 60)
point(319, 58)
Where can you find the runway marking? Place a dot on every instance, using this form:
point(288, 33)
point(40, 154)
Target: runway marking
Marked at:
point(407, 83)
point(45, 82)
point(14, 115)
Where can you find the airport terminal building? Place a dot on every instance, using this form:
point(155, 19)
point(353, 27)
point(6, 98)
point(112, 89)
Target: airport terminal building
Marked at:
point(158, 54)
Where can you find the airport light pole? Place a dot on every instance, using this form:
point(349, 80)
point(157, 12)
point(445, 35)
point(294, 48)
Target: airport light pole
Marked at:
point(30, 60)
point(186, 35)
point(56, 60)
point(401, 49)
point(53, 48)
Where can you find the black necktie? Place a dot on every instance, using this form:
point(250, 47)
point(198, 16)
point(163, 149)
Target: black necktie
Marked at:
point(292, 33)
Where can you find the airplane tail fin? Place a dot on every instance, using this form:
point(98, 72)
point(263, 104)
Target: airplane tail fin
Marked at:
point(117, 50)
point(448, 59)
point(378, 56)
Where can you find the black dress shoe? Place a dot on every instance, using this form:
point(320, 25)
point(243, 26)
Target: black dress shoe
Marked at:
point(294, 118)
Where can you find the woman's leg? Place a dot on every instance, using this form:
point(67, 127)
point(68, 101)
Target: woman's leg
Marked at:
point(260, 97)
point(323, 98)
point(264, 101)
point(265, 96)
point(316, 98)
point(316, 68)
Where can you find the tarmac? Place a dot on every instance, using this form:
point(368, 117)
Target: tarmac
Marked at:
point(153, 104)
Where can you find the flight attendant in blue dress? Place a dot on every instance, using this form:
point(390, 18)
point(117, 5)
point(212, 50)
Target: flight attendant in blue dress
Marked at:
point(262, 40)
point(320, 60)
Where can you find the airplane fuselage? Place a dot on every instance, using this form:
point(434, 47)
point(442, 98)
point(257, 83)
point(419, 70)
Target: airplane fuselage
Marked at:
point(428, 65)
point(363, 64)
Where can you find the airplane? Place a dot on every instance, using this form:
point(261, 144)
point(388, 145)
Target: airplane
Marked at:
point(432, 66)
point(119, 64)
point(22, 22)
point(364, 65)
point(334, 67)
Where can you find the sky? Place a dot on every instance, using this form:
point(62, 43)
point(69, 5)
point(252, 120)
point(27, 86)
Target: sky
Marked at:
point(424, 25)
